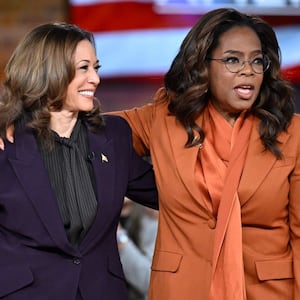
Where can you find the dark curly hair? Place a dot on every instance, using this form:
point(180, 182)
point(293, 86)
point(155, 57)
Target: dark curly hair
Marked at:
point(37, 77)
point(187, 78)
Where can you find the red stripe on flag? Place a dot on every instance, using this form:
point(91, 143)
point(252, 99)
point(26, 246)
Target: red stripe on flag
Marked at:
point(281, 20)
point(125, 16)
point(292, 74)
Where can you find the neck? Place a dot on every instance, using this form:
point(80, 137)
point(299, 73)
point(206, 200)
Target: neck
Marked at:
point(63, 122)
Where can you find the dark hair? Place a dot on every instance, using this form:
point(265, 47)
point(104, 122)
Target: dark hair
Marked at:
point(187, 78)
point(37, 77)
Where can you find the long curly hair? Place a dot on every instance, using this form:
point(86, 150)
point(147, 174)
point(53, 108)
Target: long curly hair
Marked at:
point(37, 77)
point(187, 79)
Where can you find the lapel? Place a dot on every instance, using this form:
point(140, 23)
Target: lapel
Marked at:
point(258, 163)
point(185, 158)
point(104, 165)
point(30, 171)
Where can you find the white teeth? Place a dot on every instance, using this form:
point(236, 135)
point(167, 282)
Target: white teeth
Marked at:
point(86, 93)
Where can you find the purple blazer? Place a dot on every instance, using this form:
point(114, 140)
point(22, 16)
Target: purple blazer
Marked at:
point(37, 262)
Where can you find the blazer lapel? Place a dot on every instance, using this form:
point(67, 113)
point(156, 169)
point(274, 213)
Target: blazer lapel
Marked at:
point(185, 158)
point(103, 160)
point(30, 170)
point(258, 164)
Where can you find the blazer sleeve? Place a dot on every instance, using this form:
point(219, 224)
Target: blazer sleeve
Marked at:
point(294, 221)
point(140, 179)
point(141, 185)
point(141, 120)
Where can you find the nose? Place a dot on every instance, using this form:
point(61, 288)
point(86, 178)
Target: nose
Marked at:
point(247, 67)
point(94, 77)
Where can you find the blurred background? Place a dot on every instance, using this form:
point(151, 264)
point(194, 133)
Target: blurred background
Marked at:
point(137, 40)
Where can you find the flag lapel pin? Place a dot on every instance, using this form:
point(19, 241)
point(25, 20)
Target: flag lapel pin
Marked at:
point(104, 158)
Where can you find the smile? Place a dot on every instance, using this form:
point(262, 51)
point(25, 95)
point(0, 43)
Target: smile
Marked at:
point(87, 93)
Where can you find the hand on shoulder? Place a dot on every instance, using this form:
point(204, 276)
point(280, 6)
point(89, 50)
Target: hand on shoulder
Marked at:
point(9, 136)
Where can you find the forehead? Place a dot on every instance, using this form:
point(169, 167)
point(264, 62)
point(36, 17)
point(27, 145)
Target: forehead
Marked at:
point(240, 39)
point(84, 49)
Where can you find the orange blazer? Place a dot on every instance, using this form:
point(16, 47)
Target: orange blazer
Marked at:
point(269, 192)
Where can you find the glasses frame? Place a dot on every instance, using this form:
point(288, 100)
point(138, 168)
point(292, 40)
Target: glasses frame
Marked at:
point(223, 60)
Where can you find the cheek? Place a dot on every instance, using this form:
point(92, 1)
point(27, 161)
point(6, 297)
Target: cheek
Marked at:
point(219, 84)
point(71, 97)
point(259, 82)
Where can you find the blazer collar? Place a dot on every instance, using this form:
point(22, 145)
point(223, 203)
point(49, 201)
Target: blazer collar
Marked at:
point(185, 158)
point(257, 165)
point(28, 165)
point(104, 163)
point(27, 162)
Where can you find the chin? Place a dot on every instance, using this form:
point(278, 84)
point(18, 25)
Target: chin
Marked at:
point(87, 109)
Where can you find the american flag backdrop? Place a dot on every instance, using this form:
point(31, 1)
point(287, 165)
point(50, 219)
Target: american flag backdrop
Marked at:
point(139, 39)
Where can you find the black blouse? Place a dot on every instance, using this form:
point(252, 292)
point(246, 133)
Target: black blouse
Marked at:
point(72, 180)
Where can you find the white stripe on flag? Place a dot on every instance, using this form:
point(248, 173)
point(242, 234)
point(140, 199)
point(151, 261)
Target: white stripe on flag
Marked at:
point(138, 52)
point(289, 42)
point(150, 52)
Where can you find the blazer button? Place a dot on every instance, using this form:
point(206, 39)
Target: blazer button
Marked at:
point(212, 223)
point(76, 261)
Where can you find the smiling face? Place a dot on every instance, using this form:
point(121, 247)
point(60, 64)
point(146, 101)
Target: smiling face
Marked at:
point(233, 93)
point(81, 90)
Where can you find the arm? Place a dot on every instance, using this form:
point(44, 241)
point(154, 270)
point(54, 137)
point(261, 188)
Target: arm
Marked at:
point(294, 221)
point(140, 120)
point(141, 186)
point(136, 176)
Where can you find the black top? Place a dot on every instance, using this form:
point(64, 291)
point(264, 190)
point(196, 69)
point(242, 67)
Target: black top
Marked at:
point(72, 180)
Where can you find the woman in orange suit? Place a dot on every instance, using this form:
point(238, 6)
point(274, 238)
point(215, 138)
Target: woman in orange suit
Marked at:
point(225, 145)
point(224, 140)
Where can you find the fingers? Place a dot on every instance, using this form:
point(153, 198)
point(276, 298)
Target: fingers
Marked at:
point(10, 133)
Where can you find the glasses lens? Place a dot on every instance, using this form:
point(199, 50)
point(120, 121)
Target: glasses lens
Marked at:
point(234, 67)
point(266, 63)
point(260, 65)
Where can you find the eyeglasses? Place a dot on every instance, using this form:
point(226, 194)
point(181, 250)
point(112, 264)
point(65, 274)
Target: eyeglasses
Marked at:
point(234, 64)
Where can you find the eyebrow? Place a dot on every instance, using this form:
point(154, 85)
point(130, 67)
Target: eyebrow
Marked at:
point(87, 61)
point(258, 51)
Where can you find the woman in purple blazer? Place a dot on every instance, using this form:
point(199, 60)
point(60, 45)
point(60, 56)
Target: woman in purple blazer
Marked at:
point(63, 181)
